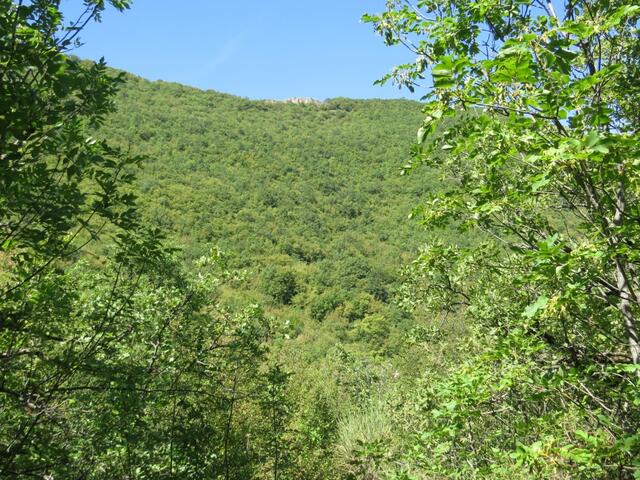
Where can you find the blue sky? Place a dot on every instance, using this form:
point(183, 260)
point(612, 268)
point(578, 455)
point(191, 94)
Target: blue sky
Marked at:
point(254, 48)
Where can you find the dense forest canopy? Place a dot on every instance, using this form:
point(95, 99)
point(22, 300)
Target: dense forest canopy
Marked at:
point(196, 285)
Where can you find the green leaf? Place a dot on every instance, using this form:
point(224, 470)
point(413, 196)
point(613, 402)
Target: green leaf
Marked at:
point(593, 141)
point(422, 133)
point(443, 73)
point(540, 181)
point(620, 14)
point(536, 306)
point(578, 28)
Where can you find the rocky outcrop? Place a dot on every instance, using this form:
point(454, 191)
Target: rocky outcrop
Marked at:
point(303, 100)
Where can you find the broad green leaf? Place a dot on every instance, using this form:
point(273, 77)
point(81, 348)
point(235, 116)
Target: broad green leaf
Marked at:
point(532, 310)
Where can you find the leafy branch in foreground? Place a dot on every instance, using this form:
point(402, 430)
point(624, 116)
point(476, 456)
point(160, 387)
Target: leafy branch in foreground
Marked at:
point(114, 363)
point(60, 187)
point(546, 167)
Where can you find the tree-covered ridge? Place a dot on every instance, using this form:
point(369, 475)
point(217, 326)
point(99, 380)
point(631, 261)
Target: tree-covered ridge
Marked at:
point(305, 194)
point(306, 205)
point(246, 162)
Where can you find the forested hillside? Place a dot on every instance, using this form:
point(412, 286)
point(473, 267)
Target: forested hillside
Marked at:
point(306, 199)
point(261, 177)
point(232, 279)
point(197, 285)
point(306, 204)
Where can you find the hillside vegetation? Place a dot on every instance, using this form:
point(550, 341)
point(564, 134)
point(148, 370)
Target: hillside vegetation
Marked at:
point(306, 199)
point(195, 285)
point(306, 205)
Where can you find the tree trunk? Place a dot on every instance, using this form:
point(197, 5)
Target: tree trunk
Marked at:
point(624, 287)
point(625, 308)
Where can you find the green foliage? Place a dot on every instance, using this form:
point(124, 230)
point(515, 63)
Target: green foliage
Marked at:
point(363, 434)
point(123, 357)
point(116, 360)
point(277, 185)
point(275, 404)
point(60, 187)
point(297, 196)
point(545, 174)
point(282, 286)
point(507, 349)
point(324, 305)
point(357, 308)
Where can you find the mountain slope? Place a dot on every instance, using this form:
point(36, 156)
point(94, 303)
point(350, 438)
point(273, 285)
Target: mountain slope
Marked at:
point(312, 189)
point(306, 203)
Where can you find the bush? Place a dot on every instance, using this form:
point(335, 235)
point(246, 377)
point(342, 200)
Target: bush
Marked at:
point(282, 286)
point(324, 305)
